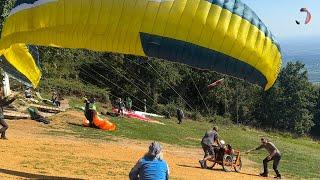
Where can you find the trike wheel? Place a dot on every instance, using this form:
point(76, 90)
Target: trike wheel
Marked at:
point(238, 166)
point(227, 163)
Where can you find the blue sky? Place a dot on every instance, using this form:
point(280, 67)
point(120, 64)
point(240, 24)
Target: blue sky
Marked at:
point(280, 16)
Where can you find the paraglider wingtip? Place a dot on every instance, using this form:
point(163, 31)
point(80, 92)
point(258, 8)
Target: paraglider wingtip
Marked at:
point(303, 9)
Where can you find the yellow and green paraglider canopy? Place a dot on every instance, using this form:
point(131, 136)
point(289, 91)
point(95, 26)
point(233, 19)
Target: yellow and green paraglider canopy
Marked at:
point(225, 36)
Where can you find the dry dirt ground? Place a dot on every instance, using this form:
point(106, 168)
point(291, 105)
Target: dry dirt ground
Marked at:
point(30, 153)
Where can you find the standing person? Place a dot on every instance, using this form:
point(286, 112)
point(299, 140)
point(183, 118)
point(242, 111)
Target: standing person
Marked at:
point(4, 101)
point(274, 155)
point(90, 110)
point(180, 115)
point(151, 165)
point(121, 106)
point(129, 104)
point(210, 143)
point(145, 105)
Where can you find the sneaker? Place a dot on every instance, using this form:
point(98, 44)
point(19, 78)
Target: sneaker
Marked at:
point(201, 163)
point(278, 177)
point(264, 174)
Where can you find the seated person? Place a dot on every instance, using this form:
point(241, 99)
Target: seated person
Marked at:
point(27, 93)
point(55, 99)
point(229, 150)
point(151, 165)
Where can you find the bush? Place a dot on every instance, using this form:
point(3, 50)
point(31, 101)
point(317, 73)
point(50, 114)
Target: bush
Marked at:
point(74, 88)
point(222, 120)
point(216, 120)
point(168, 110)
point(196, 116)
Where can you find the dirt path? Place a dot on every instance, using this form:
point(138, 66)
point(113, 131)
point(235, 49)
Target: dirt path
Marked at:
point(29, 153)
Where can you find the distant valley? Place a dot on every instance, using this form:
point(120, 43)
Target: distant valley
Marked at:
point(307, 51)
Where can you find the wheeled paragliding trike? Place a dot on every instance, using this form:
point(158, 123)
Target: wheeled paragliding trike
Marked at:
point(228, 162)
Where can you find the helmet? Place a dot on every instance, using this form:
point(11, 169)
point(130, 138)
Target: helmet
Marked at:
point(222, 142)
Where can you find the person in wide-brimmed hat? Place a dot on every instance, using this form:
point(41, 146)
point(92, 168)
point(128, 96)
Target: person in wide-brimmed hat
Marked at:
point(151, 165)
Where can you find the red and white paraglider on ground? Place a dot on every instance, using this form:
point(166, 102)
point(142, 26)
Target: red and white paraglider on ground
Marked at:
point(216, 83)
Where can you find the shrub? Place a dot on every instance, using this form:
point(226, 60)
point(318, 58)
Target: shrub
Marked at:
point(74, 88)
point(168, 110)
point(196, 116)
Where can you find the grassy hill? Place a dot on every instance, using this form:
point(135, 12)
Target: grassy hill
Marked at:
point(300, 156)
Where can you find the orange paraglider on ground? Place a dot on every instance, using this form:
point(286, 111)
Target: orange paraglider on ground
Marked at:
point(92, 118)
point(103, 124)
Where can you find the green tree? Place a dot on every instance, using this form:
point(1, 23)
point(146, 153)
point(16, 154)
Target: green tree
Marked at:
point(5, 7)
point(316, 128)
point(290, 104)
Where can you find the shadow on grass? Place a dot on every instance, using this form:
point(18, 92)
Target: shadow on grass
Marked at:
point(33, 176)
point(75, 124)
point(249, 174)
point(90, 132)
point(197, 167)
point(187, 166)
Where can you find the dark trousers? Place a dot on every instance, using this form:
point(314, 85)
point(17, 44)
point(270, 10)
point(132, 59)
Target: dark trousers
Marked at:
point(208, 150)
point(89, 115)
point(276, 160)
point(179, 120)
point(4, 128)
point(56, 103)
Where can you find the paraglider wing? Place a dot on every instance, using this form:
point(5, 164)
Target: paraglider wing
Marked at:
point(216, 83)
point(14, 73)
point(21, 62)
point(308, 18)
point(219, 35)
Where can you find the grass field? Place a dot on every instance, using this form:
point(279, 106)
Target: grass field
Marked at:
point(300, 159)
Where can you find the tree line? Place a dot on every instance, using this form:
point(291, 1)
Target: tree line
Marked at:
point(292, 104)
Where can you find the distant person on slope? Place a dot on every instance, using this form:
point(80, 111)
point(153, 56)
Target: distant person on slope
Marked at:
point(274, 155)
point(180, 115)
point(121, 106)
point(4, 101)
point(129, 104)
point(151, 165)
point(210, 144)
